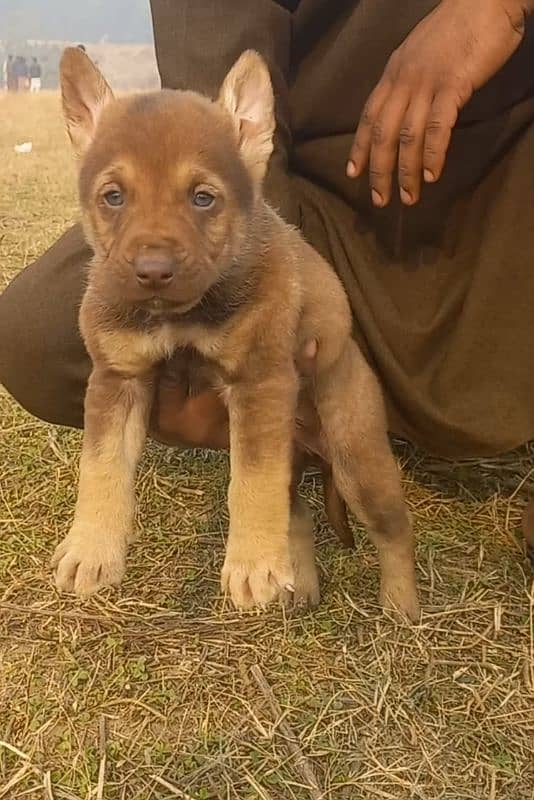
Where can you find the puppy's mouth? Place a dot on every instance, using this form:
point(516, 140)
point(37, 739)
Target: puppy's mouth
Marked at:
point(162, 305)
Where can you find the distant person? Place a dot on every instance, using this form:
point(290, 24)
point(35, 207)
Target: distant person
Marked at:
point(20, 70)
point(35, 76)
point(16, 73)
point(24, 83)
point(7, 73)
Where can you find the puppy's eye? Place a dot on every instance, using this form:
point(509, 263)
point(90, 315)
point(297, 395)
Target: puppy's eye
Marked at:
point(203, 199)
point(114, 198)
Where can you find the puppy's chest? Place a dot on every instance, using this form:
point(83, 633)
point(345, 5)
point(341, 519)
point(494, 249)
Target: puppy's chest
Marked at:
point(136, 351)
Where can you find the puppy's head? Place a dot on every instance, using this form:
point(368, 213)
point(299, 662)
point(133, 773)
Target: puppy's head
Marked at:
point(168, 181)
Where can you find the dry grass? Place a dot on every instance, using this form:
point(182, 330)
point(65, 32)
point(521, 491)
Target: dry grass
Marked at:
point(158, 691)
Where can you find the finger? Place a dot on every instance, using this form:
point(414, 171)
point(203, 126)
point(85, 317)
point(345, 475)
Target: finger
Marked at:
point(385, 145)
point(441, 121)
point(411, 143)
point(306, 358)
point(361, 146)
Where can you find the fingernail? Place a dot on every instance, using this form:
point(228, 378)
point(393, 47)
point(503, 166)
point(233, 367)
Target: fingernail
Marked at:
point(290, 588)
point(428, 176)
point(351, 169)
point(310, 349)
point(406, 197)
point(377, 198)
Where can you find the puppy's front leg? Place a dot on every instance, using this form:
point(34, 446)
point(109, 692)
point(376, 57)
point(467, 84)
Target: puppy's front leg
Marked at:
point(93, 553)
point(258, 568)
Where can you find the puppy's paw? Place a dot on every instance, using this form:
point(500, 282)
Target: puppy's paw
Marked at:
point(87, 560)
point(307, 593)
point(401, 598)
point(301, 543)
point(256, 578)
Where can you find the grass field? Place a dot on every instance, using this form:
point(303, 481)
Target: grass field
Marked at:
point(158, 691)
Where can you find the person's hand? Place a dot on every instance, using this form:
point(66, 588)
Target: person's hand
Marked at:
point(409, 116)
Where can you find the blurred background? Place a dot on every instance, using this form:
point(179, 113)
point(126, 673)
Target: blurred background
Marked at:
point(116, 33)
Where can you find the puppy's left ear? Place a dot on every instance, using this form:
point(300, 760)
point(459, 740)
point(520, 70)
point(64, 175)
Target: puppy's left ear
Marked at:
point(84, 95)
point(247, 94)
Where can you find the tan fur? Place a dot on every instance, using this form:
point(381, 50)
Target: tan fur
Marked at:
point(248, 295)
point(116, 419)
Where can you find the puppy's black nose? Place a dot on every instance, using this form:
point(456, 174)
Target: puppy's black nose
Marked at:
point(154, 270)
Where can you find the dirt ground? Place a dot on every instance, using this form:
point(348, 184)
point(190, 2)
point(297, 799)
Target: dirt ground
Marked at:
point(160, 691)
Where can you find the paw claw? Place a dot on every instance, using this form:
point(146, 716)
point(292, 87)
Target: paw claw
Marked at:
point(256, 580)
point(86, 561)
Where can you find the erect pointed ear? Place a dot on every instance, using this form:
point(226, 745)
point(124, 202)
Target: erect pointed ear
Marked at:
point(84, 94)
point(247, 94)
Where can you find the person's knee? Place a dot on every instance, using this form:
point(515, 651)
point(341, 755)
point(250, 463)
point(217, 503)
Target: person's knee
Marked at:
point(43, 362)
point(35, 366)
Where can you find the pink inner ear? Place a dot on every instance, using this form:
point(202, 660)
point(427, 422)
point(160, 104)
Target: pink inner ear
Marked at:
point(247, 129)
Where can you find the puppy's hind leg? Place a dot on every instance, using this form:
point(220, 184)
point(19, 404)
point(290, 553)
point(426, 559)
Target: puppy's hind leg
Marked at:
point(350, 405)
point(302, 550)
point(336, 510)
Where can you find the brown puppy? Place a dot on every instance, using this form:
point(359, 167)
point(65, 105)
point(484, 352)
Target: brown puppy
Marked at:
point(189, 256)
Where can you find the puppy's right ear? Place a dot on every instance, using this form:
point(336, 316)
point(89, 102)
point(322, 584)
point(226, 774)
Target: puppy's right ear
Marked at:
point(247, 95)
point(84, 94)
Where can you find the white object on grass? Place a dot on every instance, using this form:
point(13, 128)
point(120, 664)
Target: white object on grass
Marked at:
point(25, 147)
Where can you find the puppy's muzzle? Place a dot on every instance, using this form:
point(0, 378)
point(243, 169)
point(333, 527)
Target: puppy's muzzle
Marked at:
point(154, 269)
